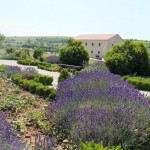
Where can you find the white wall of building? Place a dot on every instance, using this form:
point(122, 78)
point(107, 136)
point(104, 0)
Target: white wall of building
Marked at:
point(99, 47)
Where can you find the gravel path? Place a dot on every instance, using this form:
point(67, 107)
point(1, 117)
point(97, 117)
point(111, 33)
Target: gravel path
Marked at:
point(43, 72)
point(146, 93)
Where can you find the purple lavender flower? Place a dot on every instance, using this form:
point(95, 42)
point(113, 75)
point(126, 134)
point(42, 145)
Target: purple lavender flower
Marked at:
point(100, 106)
point(10, 70)
point(52, 59)
point(8, 137)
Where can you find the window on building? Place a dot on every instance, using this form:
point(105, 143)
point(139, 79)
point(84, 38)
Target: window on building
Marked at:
point(85, 44)
point(92, 44)
point(98, 52)
point(99, 44)
point(112, 44)
point(91, 51)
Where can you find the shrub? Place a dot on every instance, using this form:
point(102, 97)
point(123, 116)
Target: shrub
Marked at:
point(96, 146)
point(52, 93)
point(16, 78)
point(27, 62)
point(64, 74)
point(100, 106)
point(40, 90)
point(10, 50)
point(33, 86)
point(127, 58)
point(140, 83)
point(44, 79)
point(38, 52)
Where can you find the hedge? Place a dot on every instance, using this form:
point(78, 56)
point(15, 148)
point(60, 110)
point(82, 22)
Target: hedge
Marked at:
point(44, 79)
point(140, 83)
point(34, 87)
point(40, 65)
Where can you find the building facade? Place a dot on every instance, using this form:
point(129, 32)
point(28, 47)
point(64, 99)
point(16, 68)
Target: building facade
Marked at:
point(98, 44)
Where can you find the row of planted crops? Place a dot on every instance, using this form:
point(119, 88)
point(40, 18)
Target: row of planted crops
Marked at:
point(94, 110)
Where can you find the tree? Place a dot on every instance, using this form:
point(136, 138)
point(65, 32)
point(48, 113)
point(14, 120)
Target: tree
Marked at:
point(74, 53)
point(64, 74)
point(38, 52)
point(1, 38)
point(130, 57)
point(10, 50)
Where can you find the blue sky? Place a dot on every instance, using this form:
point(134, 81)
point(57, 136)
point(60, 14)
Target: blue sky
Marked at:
point(129, 18)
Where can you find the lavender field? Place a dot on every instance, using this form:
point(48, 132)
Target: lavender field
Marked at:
point(93, 106)
point(100, 106)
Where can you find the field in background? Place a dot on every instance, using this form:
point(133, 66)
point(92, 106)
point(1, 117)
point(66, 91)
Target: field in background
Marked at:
point(48, 43)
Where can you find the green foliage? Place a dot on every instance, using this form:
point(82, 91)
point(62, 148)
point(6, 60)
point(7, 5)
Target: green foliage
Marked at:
point(16, 125)
point(2, 67)
point(11, 103)
point(64, 74)
point(44, 79)
point(128, 58)
point(34, 86)
point(38, 119)
point(74, 53)
point(16, 78)
point(2, 37)
point(140, 83)
point(38, 52)
point(27, 62)
point(96, 146)
point(40, 90)
point(10, 50)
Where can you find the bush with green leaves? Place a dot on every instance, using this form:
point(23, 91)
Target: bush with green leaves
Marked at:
point(140, 83)
point(64, 74)
point(130, 57)
point(74, 53)
point(38, 52)
point(10, 50)
point(91, 145)
point(27, 62)
point(44, 79)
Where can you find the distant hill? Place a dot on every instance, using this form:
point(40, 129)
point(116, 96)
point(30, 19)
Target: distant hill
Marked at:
point(49, 43)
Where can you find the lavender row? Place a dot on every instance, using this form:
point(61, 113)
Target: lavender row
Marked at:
point(100, 106)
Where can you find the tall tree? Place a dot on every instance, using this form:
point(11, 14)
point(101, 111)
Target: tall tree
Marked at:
point(129, 57)
point(74, 53)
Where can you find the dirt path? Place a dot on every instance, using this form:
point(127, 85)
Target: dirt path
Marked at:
point(43, 72)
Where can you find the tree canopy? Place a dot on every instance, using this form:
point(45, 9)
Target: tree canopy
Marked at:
point(130, 57)
point(38, 52)
point(74, 53)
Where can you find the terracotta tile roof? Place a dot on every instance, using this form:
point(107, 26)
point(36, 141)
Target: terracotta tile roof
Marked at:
point(94, 36)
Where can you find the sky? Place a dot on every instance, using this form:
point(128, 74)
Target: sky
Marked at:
point(128, 18)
